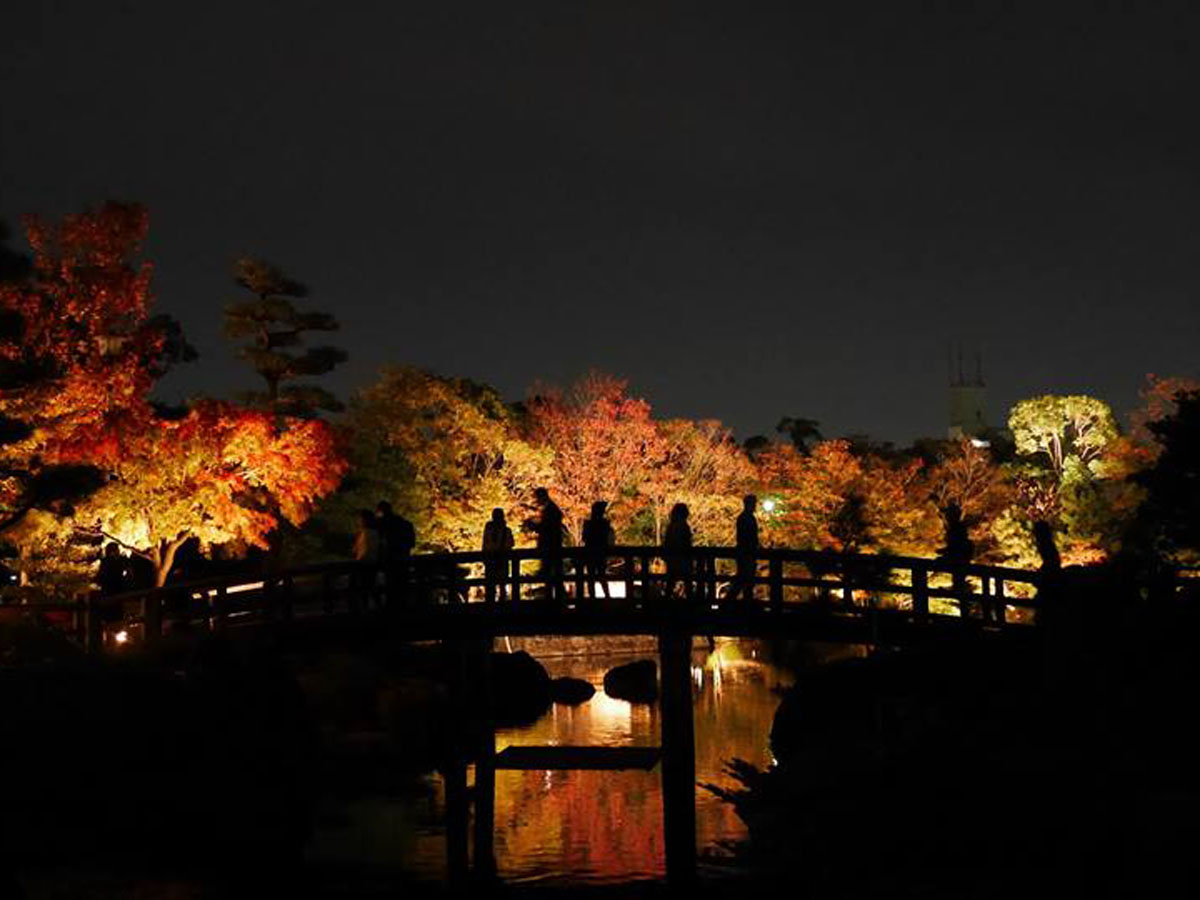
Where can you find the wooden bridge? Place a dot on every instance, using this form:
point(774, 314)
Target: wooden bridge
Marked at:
point(881, 601)
point(853, 598)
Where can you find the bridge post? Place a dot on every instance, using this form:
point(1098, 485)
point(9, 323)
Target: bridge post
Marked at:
point(776, 573)
point(93, 626)
point(454, 767)
point(627, 564)
point(578, 565)
point(151, 618)
point(515, 581)
point(285, 606)
point(485, 771)
point(920, 592)
point(217, 609)
point(678, 756)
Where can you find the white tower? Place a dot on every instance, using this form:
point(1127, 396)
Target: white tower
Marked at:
point(968, 397)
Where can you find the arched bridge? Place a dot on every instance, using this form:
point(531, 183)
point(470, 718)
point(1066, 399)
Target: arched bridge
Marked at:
point(853, 598)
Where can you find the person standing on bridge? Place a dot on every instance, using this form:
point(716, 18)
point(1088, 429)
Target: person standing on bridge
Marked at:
point(397, 538)
point(958, 552)
point(550, 544)
point(597, 538)
point(747, 550)
point(677, 550)
point(497, 545)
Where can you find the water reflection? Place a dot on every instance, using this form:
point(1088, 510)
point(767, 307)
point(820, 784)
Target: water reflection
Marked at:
point(588, 826)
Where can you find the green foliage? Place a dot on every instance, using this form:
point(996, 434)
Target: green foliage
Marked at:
point(443, 451)
point(1061, 428)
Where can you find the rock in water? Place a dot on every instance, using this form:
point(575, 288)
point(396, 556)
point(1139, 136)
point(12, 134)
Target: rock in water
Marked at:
point(571, 691)
point(520, 688)
point(636, 682)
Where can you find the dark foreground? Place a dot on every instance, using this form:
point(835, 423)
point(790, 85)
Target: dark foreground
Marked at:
point(973, 769)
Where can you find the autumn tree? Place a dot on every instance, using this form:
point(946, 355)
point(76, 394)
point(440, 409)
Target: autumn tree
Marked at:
point(604, 443)
point(205, 477)
point(700, 464)
point(1167, 524)
point(968, 476)
point(808, 493)
point(276, 331)
point(444, 452)
point(79, 348)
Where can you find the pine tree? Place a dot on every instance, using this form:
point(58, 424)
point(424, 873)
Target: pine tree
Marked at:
point(276, 330)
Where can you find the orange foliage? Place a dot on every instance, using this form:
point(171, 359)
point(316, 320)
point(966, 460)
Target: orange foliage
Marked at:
point(603, 442)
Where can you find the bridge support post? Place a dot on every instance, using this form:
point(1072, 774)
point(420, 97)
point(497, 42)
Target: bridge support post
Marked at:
point(454, 768)
point(485, 771)
point(920, 592)
point(151, 618)
point(678, 757)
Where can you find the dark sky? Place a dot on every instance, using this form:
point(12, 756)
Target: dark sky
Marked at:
point(748, 213)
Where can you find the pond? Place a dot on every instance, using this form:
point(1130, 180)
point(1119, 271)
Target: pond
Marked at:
point(584, 827)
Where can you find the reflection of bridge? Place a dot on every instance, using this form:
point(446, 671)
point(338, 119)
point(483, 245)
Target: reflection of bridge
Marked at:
point(874, 600)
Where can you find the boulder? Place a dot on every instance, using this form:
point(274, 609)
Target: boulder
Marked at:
point(571, 691)
point(520, 688)
point(636, 682)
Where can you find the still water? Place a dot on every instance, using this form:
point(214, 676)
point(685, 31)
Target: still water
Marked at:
point(586, 827)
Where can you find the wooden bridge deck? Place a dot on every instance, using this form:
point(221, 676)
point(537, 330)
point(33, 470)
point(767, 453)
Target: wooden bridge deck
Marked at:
point(848, 598)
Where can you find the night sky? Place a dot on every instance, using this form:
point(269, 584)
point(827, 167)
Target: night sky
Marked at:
point(747, 213)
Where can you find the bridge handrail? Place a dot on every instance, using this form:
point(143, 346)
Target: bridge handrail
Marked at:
point(825, 560)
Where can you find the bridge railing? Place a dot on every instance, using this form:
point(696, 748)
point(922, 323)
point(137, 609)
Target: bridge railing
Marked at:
point(628, 578)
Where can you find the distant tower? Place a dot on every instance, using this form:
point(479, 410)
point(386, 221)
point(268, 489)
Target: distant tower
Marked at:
point(968, 397)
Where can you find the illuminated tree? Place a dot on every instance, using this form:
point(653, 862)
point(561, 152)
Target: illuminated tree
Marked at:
point(217, 475)
point(605, 445)
point(697, 463)
point(276, 330)
point(1070, 474)
point(809, 492)
point(78, 348)
point(968, 476)
point(1063, 429)
point(444, 452)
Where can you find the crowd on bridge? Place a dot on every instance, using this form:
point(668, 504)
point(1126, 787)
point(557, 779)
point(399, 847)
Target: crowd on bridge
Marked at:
point(385, 541)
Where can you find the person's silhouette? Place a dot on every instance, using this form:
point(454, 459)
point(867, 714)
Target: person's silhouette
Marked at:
point(958, 550)
point(497, 544)
point(677, 550)
point(397, 540)
point(1050, 570)
point(113, 577)
point(550, 543)
point(747, 550)
point(597, 538)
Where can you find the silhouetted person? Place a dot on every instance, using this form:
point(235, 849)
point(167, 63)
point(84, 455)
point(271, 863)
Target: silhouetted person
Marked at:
point(550, 543)
point(397, 539)
point(747, 550)
point(497, 544)
point(597, 538)
point(958, 550)
point(677, 550)
point(113, 577)
point(1051, 568)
